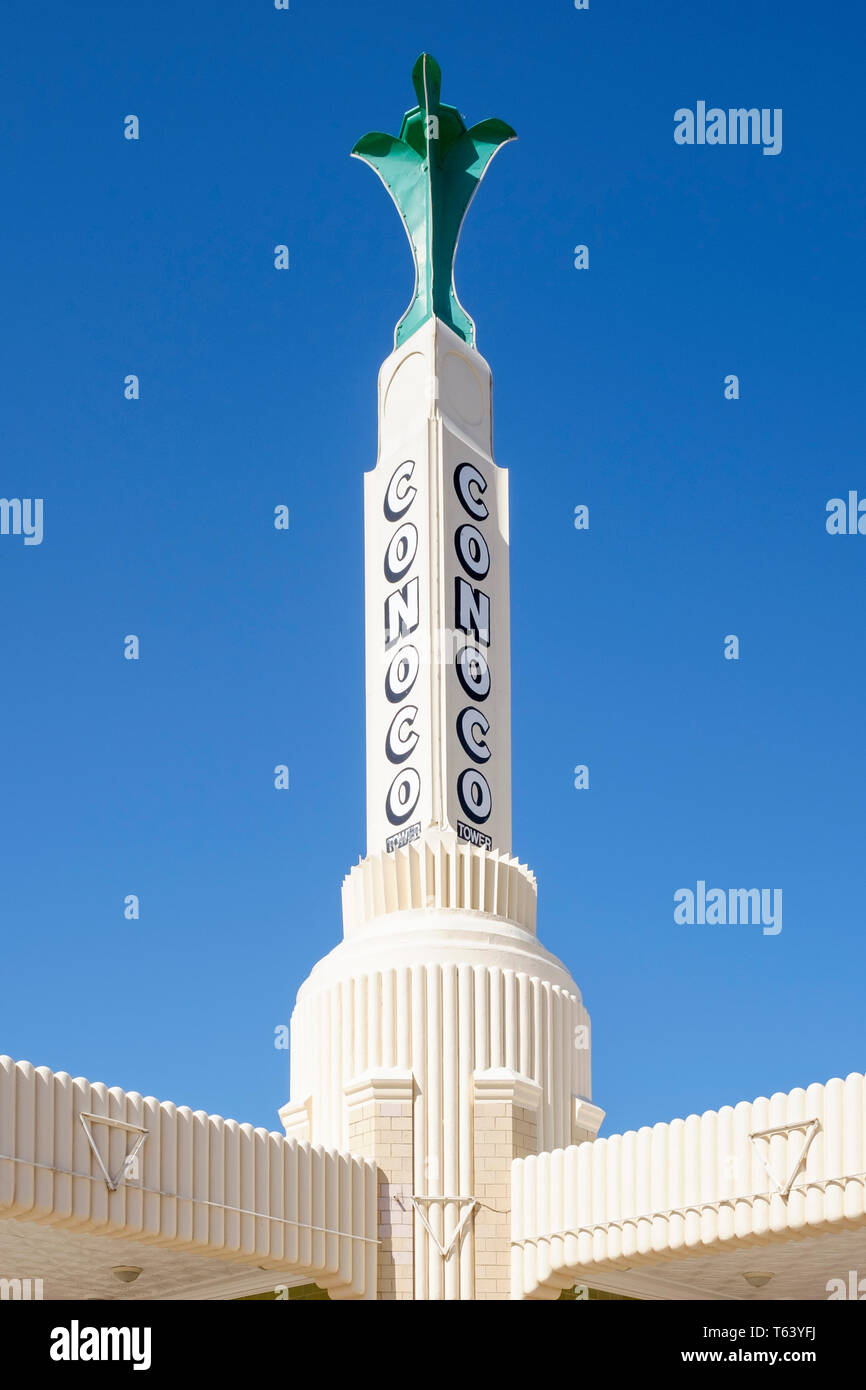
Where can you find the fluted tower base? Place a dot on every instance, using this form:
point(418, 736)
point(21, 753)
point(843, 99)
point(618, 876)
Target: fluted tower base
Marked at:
point(444, 1041)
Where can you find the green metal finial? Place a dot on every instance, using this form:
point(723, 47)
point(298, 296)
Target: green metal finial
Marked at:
point(432, 171)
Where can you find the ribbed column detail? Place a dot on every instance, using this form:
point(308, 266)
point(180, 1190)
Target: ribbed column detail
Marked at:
point(445, 1021)
point(439, 871)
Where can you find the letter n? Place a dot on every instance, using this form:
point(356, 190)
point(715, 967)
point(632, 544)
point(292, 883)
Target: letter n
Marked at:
point(401, 612)
point(472, 611)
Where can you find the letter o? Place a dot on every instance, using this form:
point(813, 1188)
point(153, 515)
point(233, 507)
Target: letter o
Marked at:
point(472, 550)
point(402, 549)
point(403, 796)
point(473, 672)
point(402, 673)
point(474, 795)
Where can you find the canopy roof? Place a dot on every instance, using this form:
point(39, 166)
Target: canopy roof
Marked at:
point(93, 1177)
point(688, 1209)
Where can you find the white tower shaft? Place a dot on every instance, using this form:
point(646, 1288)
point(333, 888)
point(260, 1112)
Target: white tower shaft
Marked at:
point(437, 603)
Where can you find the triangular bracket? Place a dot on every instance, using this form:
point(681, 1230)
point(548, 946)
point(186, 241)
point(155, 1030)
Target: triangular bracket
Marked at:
point(468, 1203)
point(810, 1126)
point(128, 1163)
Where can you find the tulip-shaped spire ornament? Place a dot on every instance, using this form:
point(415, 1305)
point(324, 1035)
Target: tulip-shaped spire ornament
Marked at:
point(431, 171)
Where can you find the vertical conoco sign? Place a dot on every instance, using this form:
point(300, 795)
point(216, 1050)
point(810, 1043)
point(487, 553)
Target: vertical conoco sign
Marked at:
point(437, 609)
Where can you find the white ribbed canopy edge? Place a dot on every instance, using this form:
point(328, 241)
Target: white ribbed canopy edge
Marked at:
point(205, 1185)
point(692, 1187)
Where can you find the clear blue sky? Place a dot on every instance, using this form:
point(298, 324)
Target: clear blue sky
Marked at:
point(258, 387)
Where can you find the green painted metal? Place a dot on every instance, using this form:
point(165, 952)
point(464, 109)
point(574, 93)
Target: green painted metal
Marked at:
point(432, 170)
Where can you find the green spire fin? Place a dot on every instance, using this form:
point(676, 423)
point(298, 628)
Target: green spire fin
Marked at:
point(432, 170)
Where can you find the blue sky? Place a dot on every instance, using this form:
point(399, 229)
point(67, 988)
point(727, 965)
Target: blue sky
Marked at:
point(258, 387)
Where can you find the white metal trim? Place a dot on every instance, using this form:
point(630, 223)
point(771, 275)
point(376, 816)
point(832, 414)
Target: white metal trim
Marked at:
point(811, 1126)
point(446, 1250)
point(129, 1158)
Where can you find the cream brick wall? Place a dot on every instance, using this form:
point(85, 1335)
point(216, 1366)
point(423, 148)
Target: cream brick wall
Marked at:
point(506, 1127)
point(380, 1127)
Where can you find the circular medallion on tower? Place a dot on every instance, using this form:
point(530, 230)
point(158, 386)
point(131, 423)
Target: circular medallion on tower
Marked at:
point(406, 387)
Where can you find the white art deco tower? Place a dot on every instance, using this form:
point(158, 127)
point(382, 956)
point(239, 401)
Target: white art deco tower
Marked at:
point(439, 1038)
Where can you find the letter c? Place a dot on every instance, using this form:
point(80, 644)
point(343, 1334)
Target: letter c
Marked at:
point(468, 721)
point(397, 503)
point(464, 475)
point(400, 745)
